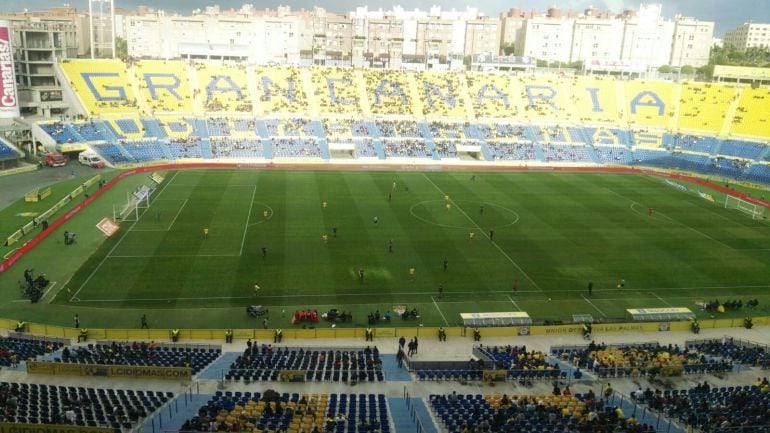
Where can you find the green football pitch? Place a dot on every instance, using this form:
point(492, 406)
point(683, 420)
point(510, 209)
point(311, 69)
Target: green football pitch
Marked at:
point(549, 234)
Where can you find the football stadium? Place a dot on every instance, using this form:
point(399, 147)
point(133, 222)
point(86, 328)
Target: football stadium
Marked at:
point(198, 237)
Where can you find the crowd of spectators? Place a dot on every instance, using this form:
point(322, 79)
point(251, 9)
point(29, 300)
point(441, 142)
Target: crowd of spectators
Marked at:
point(295, 147)
point(712, 409)
point(406, 149)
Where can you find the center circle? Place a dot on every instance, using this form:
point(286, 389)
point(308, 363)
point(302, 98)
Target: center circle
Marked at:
point(464, 214)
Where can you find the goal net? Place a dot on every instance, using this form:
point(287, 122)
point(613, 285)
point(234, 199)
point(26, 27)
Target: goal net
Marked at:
point(136, 202)
point(756, 211)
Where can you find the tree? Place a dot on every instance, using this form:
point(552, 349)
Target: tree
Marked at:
point(665, 69)
point(687, 70)
point(508, 49)
point(542, 63)
point(121, 48)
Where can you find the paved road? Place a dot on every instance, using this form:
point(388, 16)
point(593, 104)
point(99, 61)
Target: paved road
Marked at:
point(13, 187)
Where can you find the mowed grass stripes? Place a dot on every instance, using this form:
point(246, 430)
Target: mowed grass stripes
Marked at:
point(550, 233)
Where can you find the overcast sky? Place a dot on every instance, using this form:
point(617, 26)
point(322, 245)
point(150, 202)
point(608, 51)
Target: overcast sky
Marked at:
point(726, 14)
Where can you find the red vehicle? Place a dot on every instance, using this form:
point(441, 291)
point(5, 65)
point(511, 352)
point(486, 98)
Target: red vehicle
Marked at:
point(54, 159)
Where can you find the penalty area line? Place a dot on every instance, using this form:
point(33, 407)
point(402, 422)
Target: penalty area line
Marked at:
point(484, 233)
point(125, 233)
point(439, 310)
point(514, 302)
point(661, 299)
point(594, 305)
point(248, 218)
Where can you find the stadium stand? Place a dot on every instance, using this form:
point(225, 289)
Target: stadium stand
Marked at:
point(547, 99)
point(521, 363)
point(141, 353)
point(102, 85)
point(164, 85)
point(280, 90)
point(613, 155)
point(20, 348)
point(506, 151)
point(399, 129)
point(336, 90)
point(6, 151)
point(59, 131)
point(225, 147)
point(223, 87)
point(406, 148)
point(750, 116)
point(48, 404)
point(491, 96)
point(757, 173)
point(184, 148)
point(126, 126)
point(531, 413)
point(650, 103)
point(337, 365)
point(447, 130)
point(714, 410)
point(345, 128)
point(690, 143)
point(704, 106)
point(292, 413)
point(289, 128)
point(295, 147)
point(566, 153)
point(143, 150)
point(446, 148)
point(595, 100)
point(635, 360)
point(743, 149)
point(88, 131)
point(567, 112)
point(736, 351)
point(441, 94)
point(390, 92)
point(499, 131)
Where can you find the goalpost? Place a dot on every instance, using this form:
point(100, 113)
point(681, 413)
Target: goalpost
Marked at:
point(756, 211)
point(136, 202)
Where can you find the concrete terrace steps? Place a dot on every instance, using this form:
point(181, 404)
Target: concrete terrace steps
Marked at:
point(644, 415)
point(181, 410)
point(405, 416)
point(217, 369)
point(392, 372)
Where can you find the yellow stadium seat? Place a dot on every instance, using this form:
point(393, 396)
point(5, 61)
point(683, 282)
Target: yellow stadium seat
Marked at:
point(336, 90)
point(102, 85)
point(164, 85)
point(650, 103)
point(492, 96)
point(546, 98)
point(595, 100)
point(389, 92)
point(280, 90)
point(440, 94)
point(751, 118)
point(704, 106)
point(223, 87)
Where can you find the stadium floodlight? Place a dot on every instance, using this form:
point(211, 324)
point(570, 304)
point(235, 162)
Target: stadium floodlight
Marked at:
point(756, 211)
point(101, 20)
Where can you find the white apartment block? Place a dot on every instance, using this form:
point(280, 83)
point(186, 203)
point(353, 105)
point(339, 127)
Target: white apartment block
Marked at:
point(692, 42)
point(260, 39)
point(748, 35)
point(647, 38)
point(642, 39)
point(548, 38)
point(432, 37)
point(597, 39)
